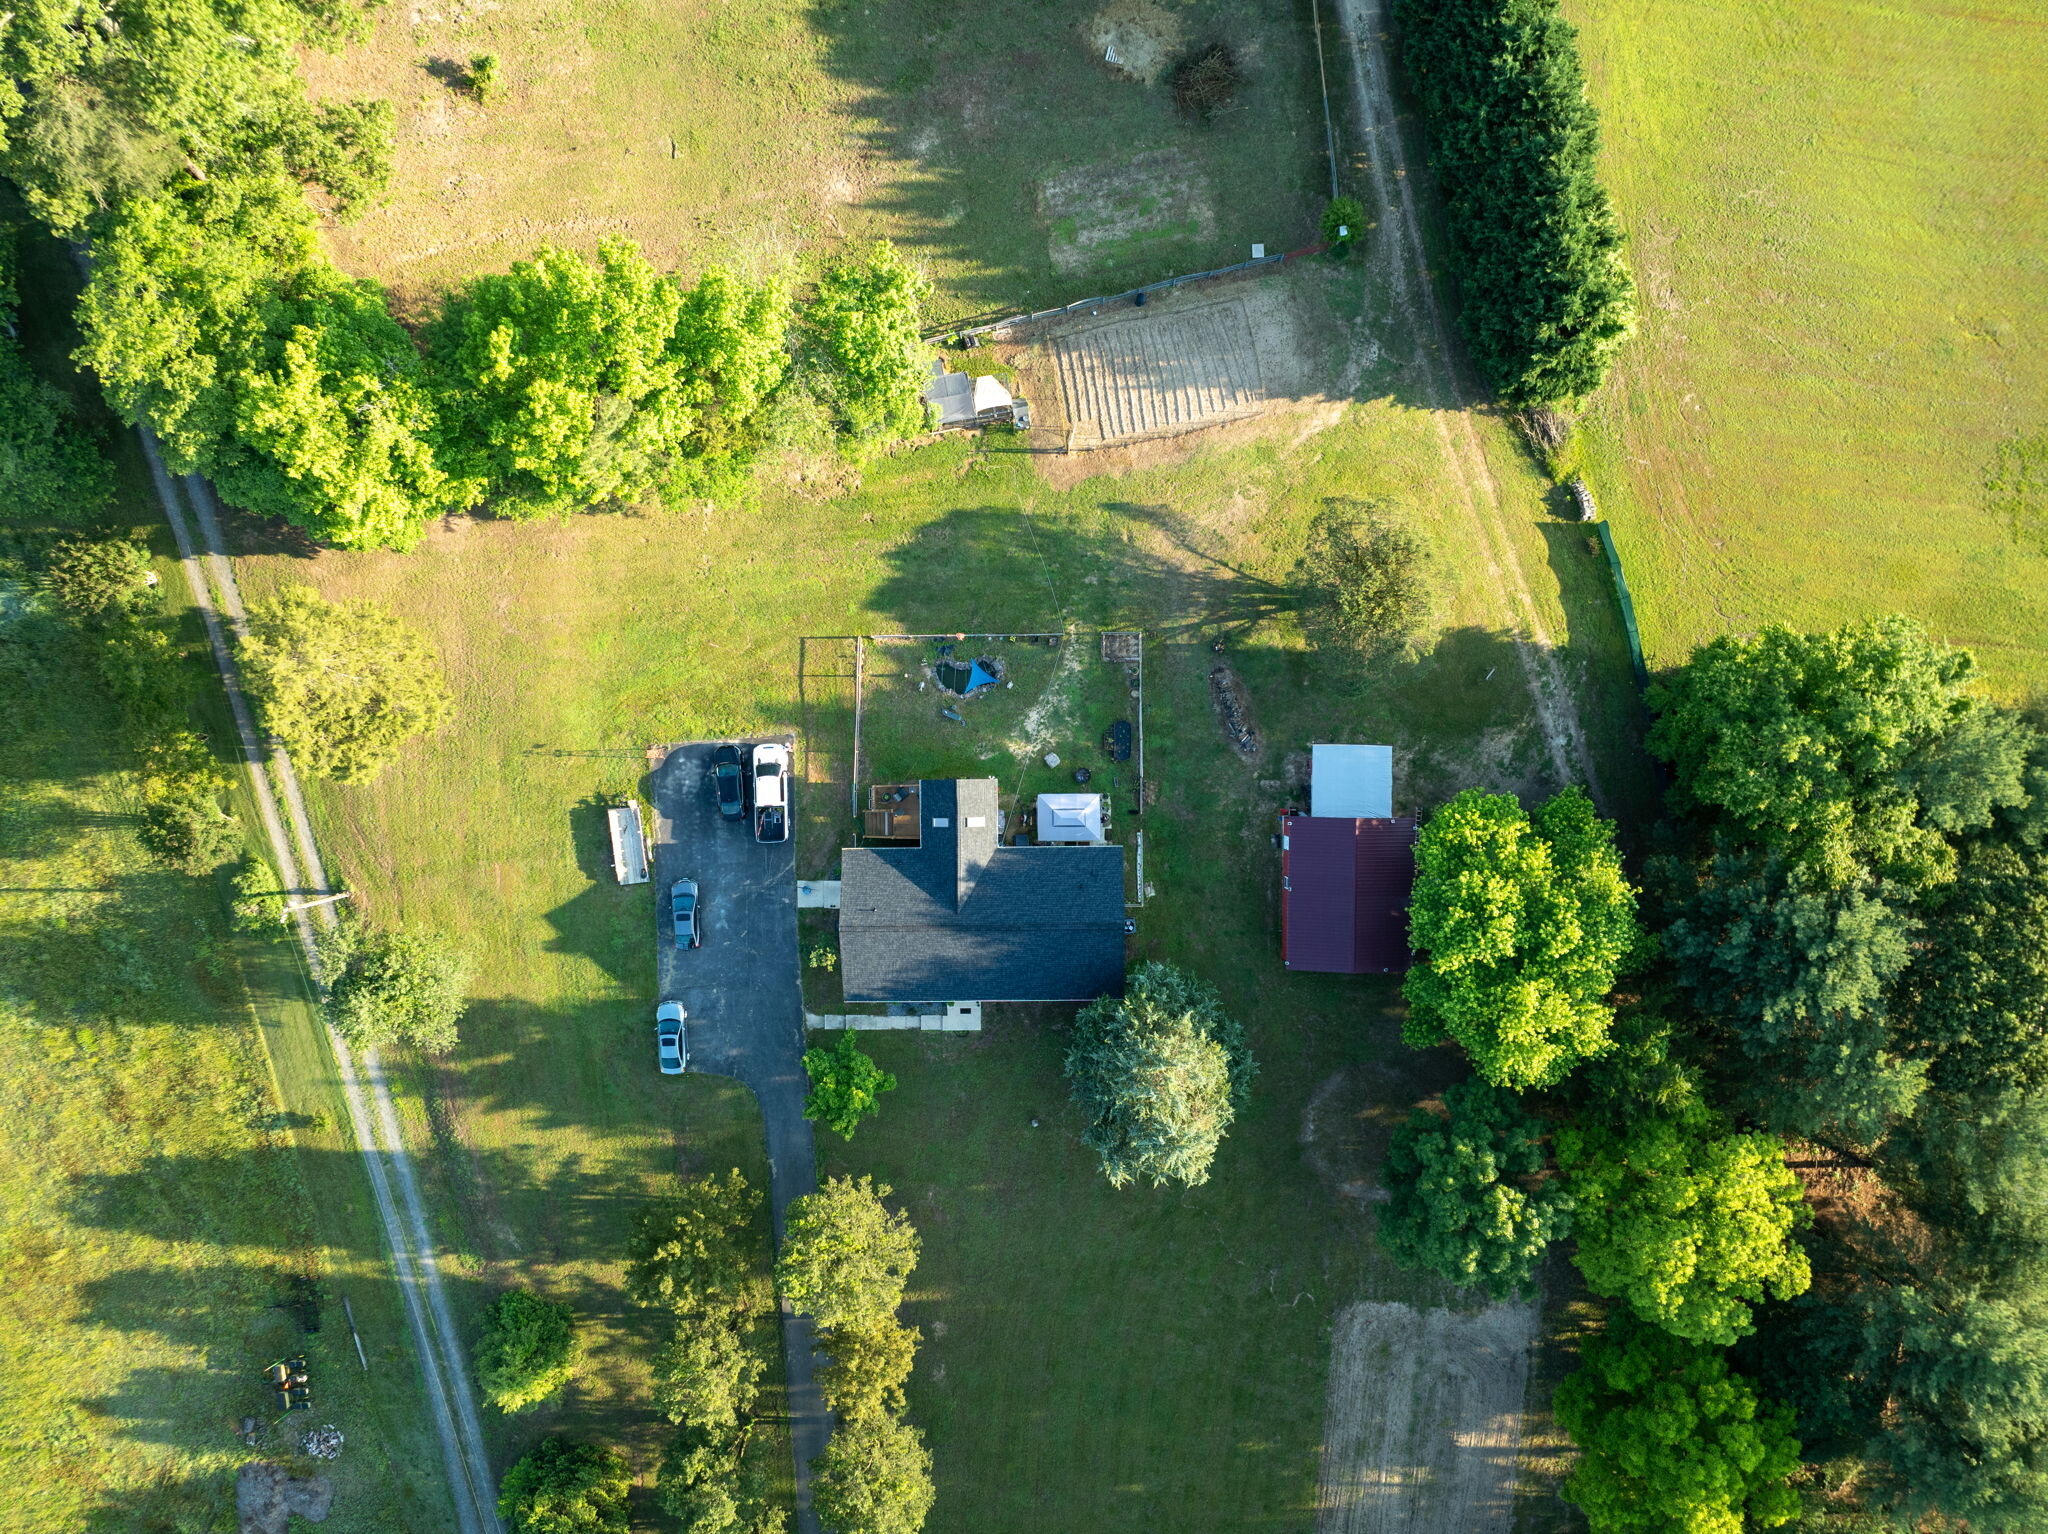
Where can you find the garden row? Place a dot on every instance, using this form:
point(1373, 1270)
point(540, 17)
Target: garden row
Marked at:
point(1846, 951)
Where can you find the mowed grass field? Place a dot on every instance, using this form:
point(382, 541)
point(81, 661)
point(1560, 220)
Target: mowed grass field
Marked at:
point(1839, 219)
point(998, 145)
point(1089, 1354)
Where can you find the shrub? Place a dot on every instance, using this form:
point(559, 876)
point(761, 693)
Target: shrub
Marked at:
point(183, 824)
point(258, 902)
point(1343, 221)
point(862, 329)
point(483, 76)
point(96, 578)
point(52, 466)
point(527, 1349)
point(1547, 299)
point(564, 1487)
point(846, 1085)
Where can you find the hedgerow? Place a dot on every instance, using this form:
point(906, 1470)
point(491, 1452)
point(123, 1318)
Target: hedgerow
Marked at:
point(1546, 296)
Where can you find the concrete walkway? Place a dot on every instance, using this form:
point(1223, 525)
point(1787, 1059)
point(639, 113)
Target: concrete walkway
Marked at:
point(746, 1017)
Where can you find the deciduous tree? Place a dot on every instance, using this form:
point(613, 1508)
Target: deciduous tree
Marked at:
point(1365, 576)
point(386, 984)
point(1160, 1072)
point(1855, 753)
point(846, 1085)
point(1687, 1223)
point(1974, 1002)
point(1524, 923)
point(565, 1487)
point(526, 1350)
point(344, 684)
point(707, 1376)
point(875, 1477)
point(98, 578)
point(1465, 1199)
point(861, 327)
point(870, 1364)
point(1671, 1440)
point(845, 1254)
point(693, 1253)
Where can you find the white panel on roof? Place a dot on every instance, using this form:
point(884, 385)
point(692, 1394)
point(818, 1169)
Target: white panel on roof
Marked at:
point(1351, 782)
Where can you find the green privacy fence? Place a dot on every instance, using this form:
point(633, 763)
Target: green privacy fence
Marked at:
point(1628, 606)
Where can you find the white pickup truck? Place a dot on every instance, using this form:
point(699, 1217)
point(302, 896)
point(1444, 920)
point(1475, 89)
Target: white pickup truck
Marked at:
point(771, 792)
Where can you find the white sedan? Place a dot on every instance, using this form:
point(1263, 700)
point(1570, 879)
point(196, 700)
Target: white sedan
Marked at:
point(668, 1037)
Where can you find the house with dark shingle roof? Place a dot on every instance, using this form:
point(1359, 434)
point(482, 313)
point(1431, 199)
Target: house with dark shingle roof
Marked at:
point(959, 917)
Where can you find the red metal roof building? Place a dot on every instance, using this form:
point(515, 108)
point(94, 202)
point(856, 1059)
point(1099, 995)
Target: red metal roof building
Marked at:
point(1344, 889)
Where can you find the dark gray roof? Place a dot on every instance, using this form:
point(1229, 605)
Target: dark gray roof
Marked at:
point(959, 918)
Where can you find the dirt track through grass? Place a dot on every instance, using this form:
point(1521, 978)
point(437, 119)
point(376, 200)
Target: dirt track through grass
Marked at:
point(1400, 248)
point(1424, 1422)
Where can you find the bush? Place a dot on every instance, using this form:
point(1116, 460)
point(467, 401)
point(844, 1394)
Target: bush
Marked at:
point(52, 467)
point(343, 684)
point(527, 1349)
point(862, 328)
point(1547, 299)
point(483, 77)
point(257, 905)
point(183, 824)
point(1343, 221)
point(96, 578)
point(564, 1487)
point(846, 1085)
point(403, 985)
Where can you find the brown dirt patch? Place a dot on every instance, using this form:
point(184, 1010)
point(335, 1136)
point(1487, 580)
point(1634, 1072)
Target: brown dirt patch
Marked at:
point(1109, 212)
point(1136, 38)
point(268, 1497)
point(1422, 1430)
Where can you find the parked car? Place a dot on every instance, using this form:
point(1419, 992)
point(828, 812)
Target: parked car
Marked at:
point(729, 773)
point(682, 908)
point(771, 792)
point(669, 1048)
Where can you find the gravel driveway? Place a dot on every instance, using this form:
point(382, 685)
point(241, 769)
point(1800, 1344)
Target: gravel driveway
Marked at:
point(744, 998)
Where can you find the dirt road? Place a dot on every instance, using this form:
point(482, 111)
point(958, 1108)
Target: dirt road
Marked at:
point(1400, 249)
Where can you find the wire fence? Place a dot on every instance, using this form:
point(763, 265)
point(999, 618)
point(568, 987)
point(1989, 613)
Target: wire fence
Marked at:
point(1134, 296)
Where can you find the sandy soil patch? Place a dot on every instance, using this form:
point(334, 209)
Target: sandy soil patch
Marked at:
point(1136, 38)
point(1106, 214)
point(1423, 1427)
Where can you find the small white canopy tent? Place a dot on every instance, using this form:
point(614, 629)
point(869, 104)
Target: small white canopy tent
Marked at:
point(1070, 818)
point(962, 400)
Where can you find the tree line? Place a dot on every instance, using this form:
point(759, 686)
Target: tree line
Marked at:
point(693, 1257)
point(1840, 947)
point(1545, 296)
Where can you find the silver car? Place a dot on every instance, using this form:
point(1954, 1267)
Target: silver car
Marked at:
point(669, 1047)
point(682, 902)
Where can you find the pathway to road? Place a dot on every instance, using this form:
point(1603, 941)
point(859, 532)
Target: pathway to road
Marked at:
point(744, 999)
point(393, 1184)
point(1402, 255)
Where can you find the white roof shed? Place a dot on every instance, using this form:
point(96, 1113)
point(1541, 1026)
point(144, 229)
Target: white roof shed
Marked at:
point(961, 399)
point(1070, 818)
point(1351, 782)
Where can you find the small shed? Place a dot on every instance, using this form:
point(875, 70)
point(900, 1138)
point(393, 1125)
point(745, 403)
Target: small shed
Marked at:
point(1345, 884)
point(1351, 782)
point(961, 401)
point(629, 843)
point(1070, 818)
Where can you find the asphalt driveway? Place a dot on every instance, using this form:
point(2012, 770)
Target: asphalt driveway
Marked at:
point(744, 999)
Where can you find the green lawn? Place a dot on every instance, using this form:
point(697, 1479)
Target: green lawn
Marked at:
point(994, 142)
point(1839, 221)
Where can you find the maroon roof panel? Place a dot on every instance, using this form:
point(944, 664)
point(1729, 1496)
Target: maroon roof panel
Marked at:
point(1345, 889)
